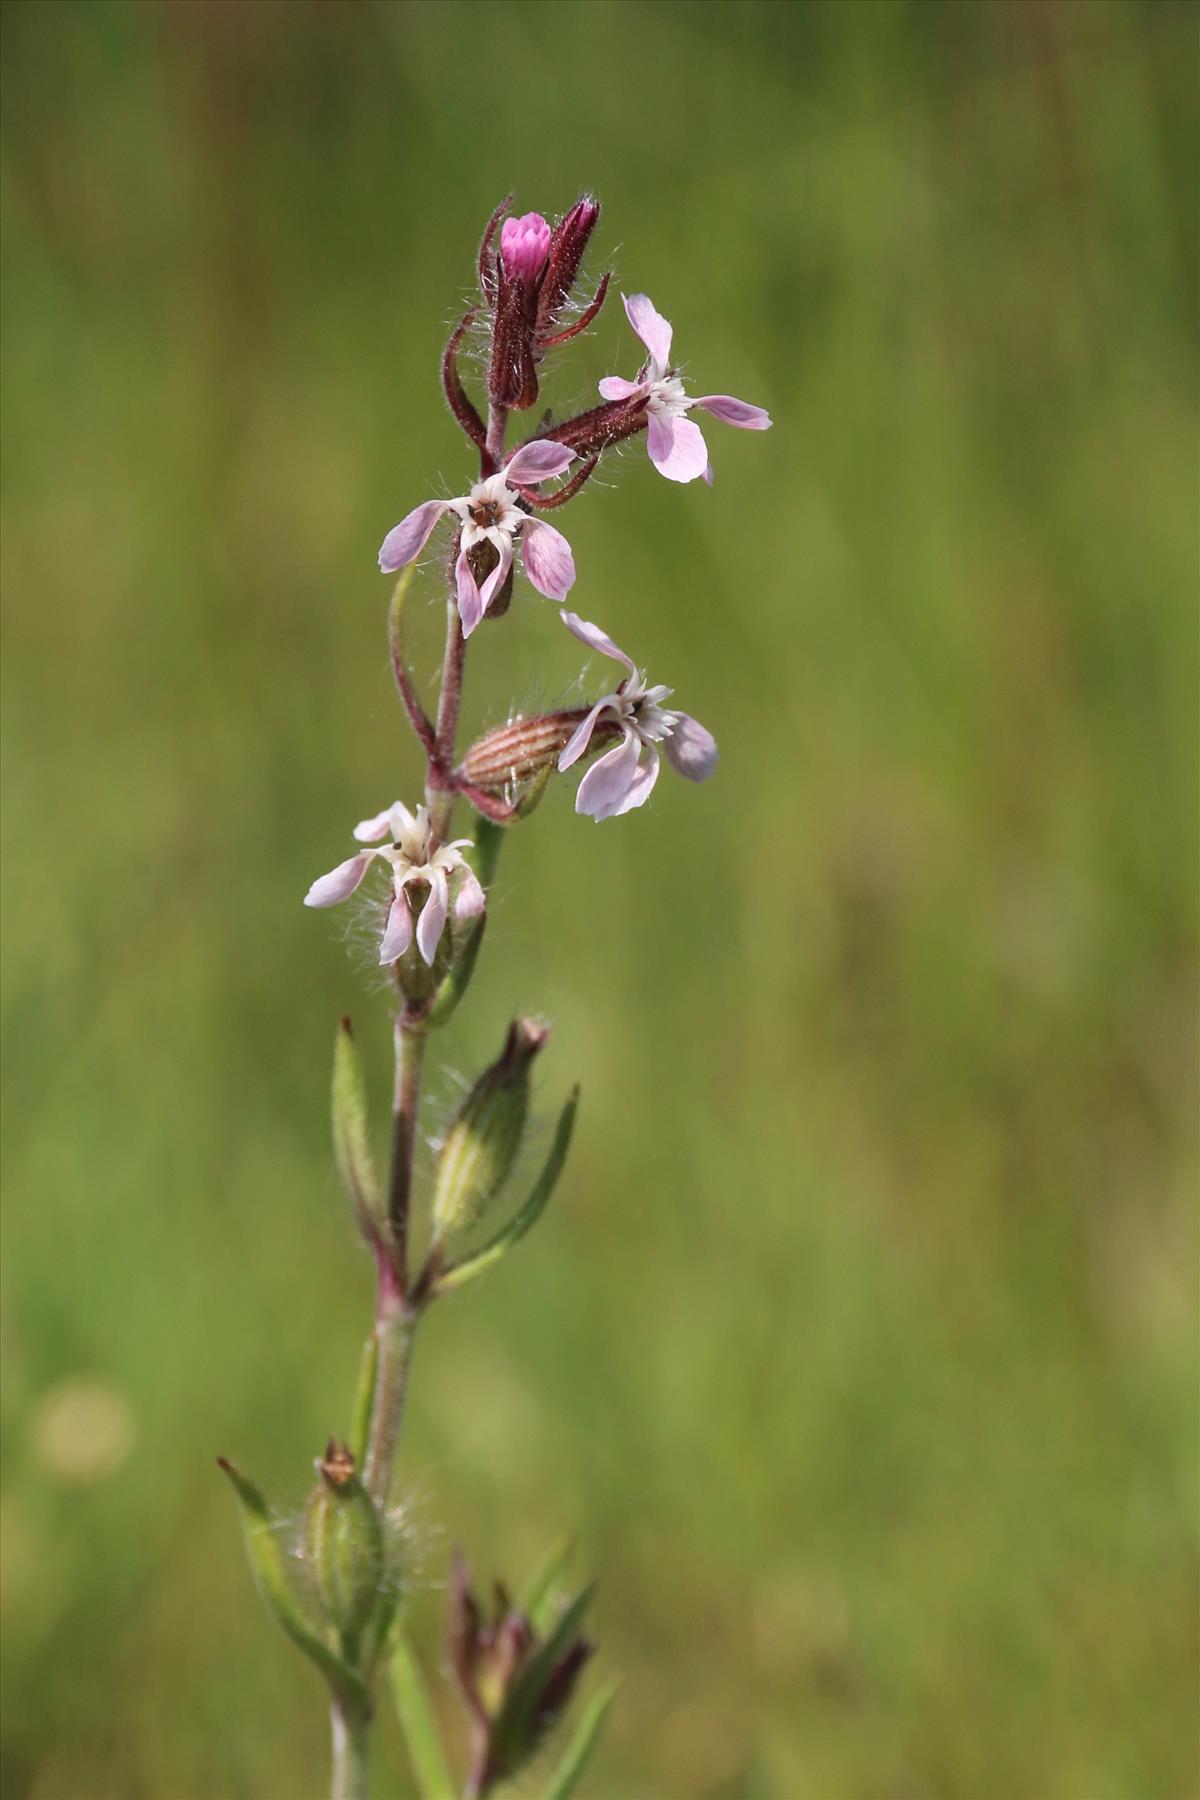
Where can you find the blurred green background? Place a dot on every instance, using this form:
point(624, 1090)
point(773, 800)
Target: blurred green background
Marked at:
point(858, 1346)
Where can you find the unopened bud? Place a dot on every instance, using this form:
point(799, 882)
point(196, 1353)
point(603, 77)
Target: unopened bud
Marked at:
point(481, 1145)
point(523, 749)
point(344, 1545)
point(524, 246)
point(566, 252)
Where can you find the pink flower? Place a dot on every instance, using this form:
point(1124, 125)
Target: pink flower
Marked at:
point(524, 246)
point(491, 512)
point(411, 859)
point(623, 777)
point(677, 448)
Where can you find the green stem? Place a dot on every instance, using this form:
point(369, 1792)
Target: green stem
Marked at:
point(350, 1726)
point(395, 1328)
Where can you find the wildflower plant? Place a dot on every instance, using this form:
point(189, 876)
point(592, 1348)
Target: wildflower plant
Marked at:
point(335, 1579)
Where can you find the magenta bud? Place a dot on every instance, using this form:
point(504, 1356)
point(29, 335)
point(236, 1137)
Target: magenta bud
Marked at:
point(524, 247)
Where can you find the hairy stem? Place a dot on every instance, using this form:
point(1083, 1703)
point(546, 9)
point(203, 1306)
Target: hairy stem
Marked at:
point(350, 1726)
point(395, 1328)
point(496, 426)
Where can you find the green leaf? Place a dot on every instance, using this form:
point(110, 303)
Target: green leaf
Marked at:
point(458, 980)
point(578, 1753)
point(396, 615)
point(266, 1560)
point(425, 1753)
point(512, 1731)
point(528, 1214)
point(488, 839)
point(351, 1144)
point(537, 1596)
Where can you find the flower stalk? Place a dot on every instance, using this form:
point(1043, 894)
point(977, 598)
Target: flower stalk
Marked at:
point(339, 1595)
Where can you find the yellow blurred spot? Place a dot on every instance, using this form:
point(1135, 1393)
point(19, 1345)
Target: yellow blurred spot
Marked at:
point(82, 1430)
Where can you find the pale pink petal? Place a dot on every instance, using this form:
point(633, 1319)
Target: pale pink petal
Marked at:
point(407, 539)
point(433, 916)
point(643, 781)
point(595, 639)
point(397, 933)
point(403, 822)
point(470, 900)
point(495, 581)
point(735, 412)
point(615, 387)
point(651, 327)
point(547, 557)
point(341, 882)
point(538, 461)
point(677, 448)
point(581, 737)
point(370, 831)
point(691, 749)
point(609, 779)
point(470, 603)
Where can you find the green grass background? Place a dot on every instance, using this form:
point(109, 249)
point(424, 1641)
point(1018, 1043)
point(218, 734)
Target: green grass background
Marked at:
point(858, 1346)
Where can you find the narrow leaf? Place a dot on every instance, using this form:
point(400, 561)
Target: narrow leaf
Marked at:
point(266, 1560)
point(578, 1753)
point(537, 1596)
point(418, 717)
point(351, 1144)
point(425, 1753)
point(455, 984)
point(528, 1214)
point(488, 839)
point(513, 1730)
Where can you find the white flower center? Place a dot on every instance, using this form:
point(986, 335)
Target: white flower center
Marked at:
point(640, 707)
point(667, 398)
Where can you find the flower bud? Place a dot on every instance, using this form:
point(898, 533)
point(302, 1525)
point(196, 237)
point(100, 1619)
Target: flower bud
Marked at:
point(343, 1546)
point(565, 253)
point(523, 749)
point(524, 246)
point(481, 1145)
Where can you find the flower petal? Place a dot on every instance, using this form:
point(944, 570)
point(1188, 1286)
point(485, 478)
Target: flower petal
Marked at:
point(615, 387)
point(735, 412)
point(470, 601)
point(397, 933)
point(406, 540)
point(433, 916)
point(677, 448)
point(581, 737)
point(691, 749)
point(370, 831)
point(471, 899)
point(495, 581)
point(645, 776)
point(609, 779)
point(341, 882)
point(538, 461)
point(595, 639)
point(547, 557)
point(651, 327)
